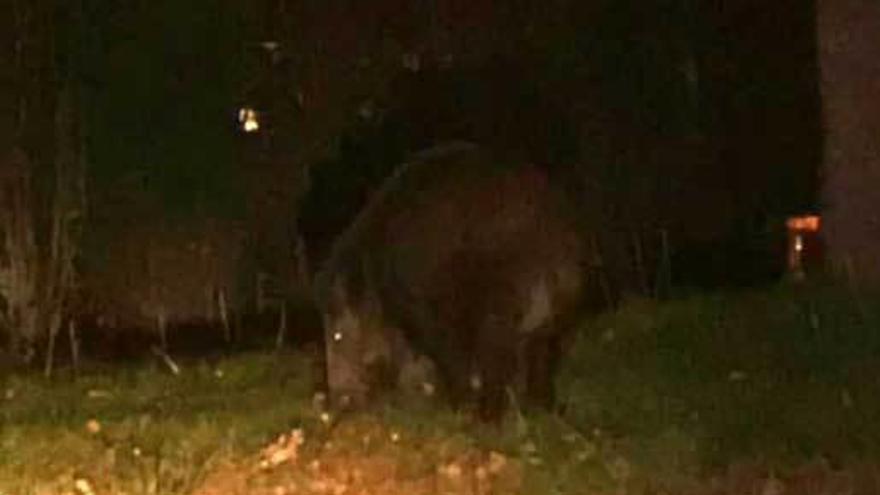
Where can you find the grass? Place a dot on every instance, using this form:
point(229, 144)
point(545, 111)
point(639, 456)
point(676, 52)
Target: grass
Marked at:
point(786, 376)
point(698, 395)
point(158, 433)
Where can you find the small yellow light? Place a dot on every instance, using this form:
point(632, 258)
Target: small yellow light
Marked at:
point(83, 486)
point(93, 426)
point(248, 119)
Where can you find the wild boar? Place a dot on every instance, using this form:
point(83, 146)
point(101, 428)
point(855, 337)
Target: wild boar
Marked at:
point(466, 257)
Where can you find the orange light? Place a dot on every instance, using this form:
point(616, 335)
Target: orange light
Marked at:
point(807, 223)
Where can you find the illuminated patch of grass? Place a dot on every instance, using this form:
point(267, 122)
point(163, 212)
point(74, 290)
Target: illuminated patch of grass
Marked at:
point(143, 429)
point(658, 396)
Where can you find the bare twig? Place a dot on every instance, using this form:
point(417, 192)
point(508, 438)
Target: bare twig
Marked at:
point(664, 272)
point(639, 262)
point(162, 355)
point(162, 328)
point(282, 328)
point(302, 263)
point(74, 345)
point(54, 325)
point(224, 316)
point(260, 295)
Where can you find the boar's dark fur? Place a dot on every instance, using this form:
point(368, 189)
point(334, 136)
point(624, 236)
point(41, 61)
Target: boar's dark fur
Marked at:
point(473, 260)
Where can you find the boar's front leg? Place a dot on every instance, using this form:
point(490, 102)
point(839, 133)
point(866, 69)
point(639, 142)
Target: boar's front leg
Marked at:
point(497, 363)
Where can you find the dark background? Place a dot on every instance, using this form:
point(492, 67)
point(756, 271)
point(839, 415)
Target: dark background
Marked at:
point(694, 121)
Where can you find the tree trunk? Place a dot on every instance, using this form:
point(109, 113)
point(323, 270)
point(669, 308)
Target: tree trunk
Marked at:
point(849, 59)
point(19, 272)
point(42, 179)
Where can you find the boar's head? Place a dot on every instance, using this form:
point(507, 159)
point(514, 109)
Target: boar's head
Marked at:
point(359, 349)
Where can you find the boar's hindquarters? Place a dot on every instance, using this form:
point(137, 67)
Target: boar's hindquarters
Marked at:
point(506, 309)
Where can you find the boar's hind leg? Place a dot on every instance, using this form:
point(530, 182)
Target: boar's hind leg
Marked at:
point(497, 355)
point(542, 356)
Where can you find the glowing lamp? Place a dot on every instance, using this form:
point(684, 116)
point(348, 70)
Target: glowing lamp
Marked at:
point(804, 246)
point(248, 119)
point(806, 223)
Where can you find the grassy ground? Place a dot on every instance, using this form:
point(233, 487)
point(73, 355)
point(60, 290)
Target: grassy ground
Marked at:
point(772, 379)
point(770, 392)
